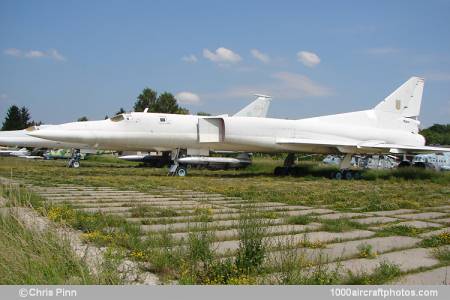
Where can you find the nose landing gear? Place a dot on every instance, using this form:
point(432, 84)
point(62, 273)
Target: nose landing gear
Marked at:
point(175, 168)
point(74, 161)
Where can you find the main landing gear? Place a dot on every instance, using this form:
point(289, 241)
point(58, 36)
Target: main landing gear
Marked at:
point(345, 172)
point(289, 168)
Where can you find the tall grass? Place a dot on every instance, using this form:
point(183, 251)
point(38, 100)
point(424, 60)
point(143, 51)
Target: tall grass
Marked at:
point(30, 257)
point(252, 245)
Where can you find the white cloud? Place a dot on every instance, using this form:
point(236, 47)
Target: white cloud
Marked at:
point(189, 58)
point(222, 55)
point(51, 53)
point(260, 56)
point(309, 59)
point(54, 54)
point(302, 84)
point(13, 52)
point(382, 50)
point(286, 86)
point(34, 54)
point(187, 98)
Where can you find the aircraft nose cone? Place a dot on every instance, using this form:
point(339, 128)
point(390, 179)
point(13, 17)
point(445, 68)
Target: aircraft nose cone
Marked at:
point(60, 135)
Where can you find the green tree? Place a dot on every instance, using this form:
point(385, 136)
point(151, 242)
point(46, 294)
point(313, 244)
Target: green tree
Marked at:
point(146, 99)
point(437, 134)
point(182, 111)
point(25, 117)
point(121, 111)
point(202, 113)
point(164, 103)
point(16, 118)
point(82, 119)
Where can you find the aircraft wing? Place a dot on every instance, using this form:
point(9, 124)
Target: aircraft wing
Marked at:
point(394, 148)
point(366, 146)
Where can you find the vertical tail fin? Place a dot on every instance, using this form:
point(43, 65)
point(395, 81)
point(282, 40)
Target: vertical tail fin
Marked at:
point(405, 100)
point(257, 108)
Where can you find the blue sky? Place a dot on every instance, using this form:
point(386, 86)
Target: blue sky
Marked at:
point(66, 59)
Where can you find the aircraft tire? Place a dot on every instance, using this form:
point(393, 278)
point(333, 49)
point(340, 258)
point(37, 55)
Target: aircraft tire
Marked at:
point(181, 171)
point(348, 175)
point(278, 171)
point(338, 176)
point(404, 164)
point(75, 164)
point(294, 171)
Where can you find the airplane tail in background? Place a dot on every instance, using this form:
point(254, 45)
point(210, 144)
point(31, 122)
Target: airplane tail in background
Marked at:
point(405, 100)
point(257, 108)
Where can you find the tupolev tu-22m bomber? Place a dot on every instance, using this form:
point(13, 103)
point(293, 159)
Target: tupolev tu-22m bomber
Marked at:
point(392, 126)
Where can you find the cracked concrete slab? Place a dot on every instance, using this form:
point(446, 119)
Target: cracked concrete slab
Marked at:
point(422, 216)
point(345, 250)
point(418, 224)
point(434, 232)
point(375, 220)
point(275, 229)
point(391, 212)
point(438, 276)
point(422, 258)
point(344, 215)
point(295, 239)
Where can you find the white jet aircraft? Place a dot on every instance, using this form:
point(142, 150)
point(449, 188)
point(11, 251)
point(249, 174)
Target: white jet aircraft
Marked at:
point(20, 138)
point(392, 126)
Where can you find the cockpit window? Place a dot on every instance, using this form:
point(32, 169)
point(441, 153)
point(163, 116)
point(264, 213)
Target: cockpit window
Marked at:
point(118, 118)
point(162, 119)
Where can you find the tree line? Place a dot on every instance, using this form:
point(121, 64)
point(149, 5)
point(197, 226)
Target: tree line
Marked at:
point(19, 118)
point(438, 134)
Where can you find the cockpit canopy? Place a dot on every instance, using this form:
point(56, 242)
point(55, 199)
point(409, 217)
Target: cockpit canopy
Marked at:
point(117, 118)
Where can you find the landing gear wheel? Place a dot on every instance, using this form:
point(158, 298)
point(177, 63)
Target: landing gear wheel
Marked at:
point(348, 175)
point(404, 164)
point(278, 171)
point(75, 164)
point(181, 171)
point(338, 176)
point(281, 171)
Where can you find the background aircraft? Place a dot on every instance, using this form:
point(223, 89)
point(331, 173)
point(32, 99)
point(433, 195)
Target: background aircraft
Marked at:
point(438, 161)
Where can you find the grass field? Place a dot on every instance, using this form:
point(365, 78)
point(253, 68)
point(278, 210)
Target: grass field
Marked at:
point(195, 259)
point(380, 190)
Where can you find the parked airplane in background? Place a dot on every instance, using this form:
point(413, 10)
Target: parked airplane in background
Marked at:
point(435, 161)
point(21, 153)
point(365, 161)
point(392, 126)
point(14, 152)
